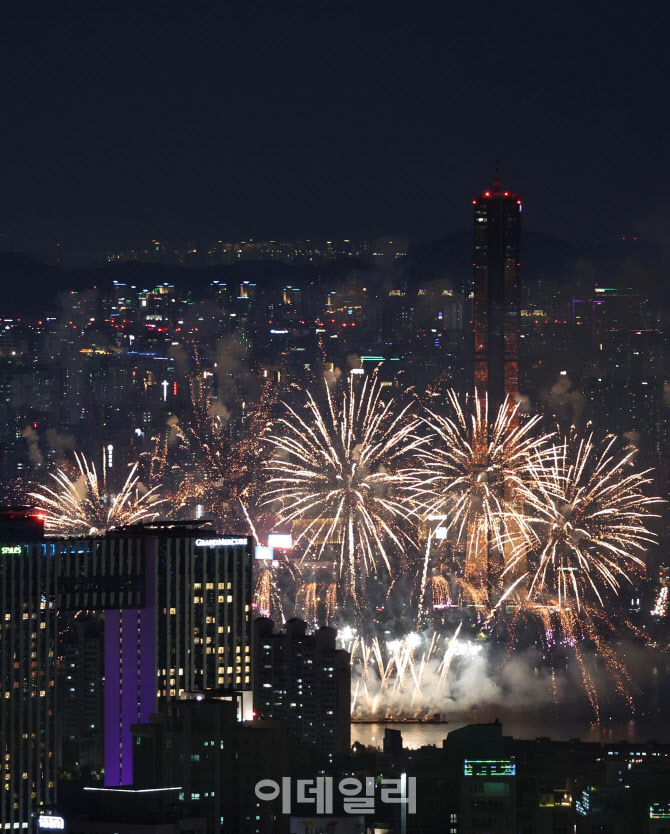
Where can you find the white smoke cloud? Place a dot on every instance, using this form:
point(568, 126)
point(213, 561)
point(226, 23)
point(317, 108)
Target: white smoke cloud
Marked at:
point(481, 676)
point(60, 443)
point(32, 441)
point(331, 376)
point(566, 401)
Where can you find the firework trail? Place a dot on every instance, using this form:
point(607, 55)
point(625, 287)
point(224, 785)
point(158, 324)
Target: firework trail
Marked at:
point(441, 591)
point(262, 603)
point(155, 461)
point(331, 604)
point(86, 505)
point(159, 464)
point(449, 655)
point(332, 477)
point(276, 588)
point(660, 608)
point(267, 600)
point(306, 602)
point(408, 672)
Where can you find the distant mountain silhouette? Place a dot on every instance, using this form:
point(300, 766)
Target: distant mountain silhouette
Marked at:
point(32, 287)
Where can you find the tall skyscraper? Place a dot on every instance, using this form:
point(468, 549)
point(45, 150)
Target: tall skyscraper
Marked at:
point(497, 233)
point(28, 632)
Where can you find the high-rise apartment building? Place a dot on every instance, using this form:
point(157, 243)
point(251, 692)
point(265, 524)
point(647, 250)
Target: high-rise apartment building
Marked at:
point(305, 680)
point(497, 233)
point(177, 610)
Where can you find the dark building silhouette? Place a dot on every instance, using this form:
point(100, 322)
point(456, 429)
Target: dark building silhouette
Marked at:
point(303, 679)
point(98, 810)
point(199, 744)
point(497, 232)
point(80, 678)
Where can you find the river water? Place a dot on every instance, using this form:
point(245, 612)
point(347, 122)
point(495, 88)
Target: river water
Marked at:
point(639, 729)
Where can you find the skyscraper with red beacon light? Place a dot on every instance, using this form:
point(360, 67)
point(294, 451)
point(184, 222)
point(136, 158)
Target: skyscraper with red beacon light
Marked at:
point(497, 234)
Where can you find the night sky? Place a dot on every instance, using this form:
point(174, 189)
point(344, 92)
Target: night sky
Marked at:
point(215, 120)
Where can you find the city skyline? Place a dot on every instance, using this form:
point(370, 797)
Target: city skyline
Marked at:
point(334, 418)
point(183, 399)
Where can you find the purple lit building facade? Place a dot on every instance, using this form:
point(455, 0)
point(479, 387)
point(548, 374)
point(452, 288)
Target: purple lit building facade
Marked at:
point(192, 634)
point(130, 675)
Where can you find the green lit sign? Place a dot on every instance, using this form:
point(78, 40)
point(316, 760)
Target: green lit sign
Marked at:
point(659, 811)
point(489, 767)
point(10, 550)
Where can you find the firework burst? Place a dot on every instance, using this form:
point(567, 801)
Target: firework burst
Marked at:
point(86, 505)
point(591, 535)
point(593, 522)
point(479, 477)
point(333, 477)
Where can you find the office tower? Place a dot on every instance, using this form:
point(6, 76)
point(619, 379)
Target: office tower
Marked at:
point(497, 229)
point(497, 221)
point(306, 681)
point(176, 603)
point(27, 669)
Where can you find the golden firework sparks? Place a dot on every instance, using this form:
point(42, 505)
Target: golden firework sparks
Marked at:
point(590, 535)
point(481, 476)
point(228, 462)
point(333, 477)
point(86, 505)
point(593, 525)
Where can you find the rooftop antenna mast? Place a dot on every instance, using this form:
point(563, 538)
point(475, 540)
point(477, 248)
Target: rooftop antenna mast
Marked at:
point(496, 178)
